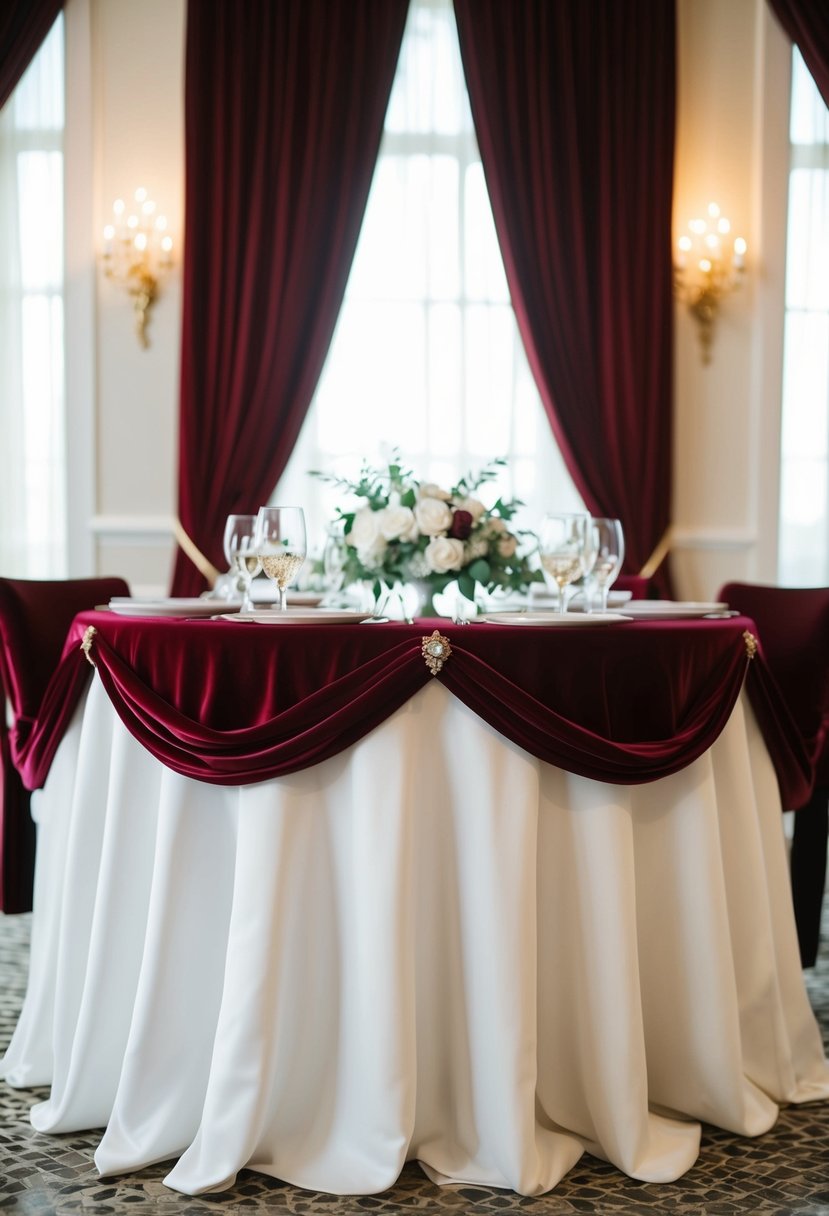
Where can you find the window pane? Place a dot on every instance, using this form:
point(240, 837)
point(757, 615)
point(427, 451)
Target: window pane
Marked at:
point(38, 100)
point(809, 118)
point(807, 262)
point(806, 386)
point(40, 198)
point(804, 471)
point(484, 267)
point(804, 528)
point(429, 92)
point(32, 442)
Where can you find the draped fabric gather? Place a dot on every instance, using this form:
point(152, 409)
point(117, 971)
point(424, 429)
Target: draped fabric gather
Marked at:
point(235, 703)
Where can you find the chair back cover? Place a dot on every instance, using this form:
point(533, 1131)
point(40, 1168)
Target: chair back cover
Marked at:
point(637, 584)
point(34, 619)
point(793, 626)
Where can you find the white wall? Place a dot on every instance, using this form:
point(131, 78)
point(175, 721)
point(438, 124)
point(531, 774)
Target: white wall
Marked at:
point(732, 147)
point(126, 120)
point(126, 129)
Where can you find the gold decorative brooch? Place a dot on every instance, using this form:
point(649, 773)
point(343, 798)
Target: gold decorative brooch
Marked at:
point(435, 650)
point(86, 644)
point(751, 643)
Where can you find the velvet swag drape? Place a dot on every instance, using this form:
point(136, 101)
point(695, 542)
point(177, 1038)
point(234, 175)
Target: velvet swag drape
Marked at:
point(284, 108)
point(807, 24)
point(574, 105)
point(23, 26)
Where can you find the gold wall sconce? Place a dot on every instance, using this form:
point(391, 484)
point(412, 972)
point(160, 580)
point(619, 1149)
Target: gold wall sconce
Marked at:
point(709, 265)
point(138, 254)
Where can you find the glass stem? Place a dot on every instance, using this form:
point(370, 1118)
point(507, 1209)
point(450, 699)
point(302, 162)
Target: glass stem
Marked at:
point(283, 598)
point(562, 598)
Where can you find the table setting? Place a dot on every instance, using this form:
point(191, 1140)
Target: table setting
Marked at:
point(317, 900)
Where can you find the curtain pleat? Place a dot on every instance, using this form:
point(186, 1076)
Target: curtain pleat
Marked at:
point(574, 106)
point(23, 26)
point(284, 109)
point(807, 24)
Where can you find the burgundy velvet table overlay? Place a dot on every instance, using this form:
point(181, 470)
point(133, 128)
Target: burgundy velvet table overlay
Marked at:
point(237, 702)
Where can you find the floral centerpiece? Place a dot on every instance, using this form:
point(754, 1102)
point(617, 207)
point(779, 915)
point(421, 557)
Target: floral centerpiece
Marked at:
point(402, 531)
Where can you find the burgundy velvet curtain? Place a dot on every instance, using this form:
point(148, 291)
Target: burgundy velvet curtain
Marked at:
point(284, 108)
point(574, 104)
point(807, 24)
point(23, 26)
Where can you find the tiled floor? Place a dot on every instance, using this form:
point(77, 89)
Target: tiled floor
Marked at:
point(785, 1171)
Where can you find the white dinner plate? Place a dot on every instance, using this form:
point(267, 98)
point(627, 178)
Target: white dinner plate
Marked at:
point(672, 609)
point(129, 606)
point(301, 616)
point(556, 619)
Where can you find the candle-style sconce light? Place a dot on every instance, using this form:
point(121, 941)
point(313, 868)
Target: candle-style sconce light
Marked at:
point(138, 254)
point(709, 265)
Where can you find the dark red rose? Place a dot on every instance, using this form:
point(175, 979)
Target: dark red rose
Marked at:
point(461, 525)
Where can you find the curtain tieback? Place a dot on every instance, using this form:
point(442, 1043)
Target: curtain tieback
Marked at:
point(658, 556)
point(189, 546)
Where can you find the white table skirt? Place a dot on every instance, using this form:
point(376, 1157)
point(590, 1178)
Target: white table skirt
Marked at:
point(431, 946)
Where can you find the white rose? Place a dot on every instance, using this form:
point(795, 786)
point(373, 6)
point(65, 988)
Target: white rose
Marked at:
point(507, 545)
point(474, 506)
point(430, 490)
point(398, 523)
point(444, 554)
point(433, 516)
point(365, 529)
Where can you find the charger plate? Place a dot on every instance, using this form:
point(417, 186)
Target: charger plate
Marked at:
point(300, 616)
point(129, 606)
point(655, 610)
point(556, 619)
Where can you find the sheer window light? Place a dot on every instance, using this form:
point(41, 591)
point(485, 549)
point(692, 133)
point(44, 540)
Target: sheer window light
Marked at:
point(426, 356)
point(804, 473)
point(32, 446)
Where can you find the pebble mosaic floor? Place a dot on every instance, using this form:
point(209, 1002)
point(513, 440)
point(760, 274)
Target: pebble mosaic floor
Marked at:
point(785, 1171)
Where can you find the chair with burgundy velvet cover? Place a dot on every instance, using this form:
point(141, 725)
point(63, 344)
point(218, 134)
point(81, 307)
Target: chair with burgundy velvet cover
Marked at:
point(793, 626)
point(638, 586)
point(34, 619)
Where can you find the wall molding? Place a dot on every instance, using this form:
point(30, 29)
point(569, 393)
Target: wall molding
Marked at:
point(737, 539)
point(132, 529)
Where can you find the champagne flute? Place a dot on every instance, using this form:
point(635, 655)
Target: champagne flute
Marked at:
point(241, 554)
point(280, 543)
point(565, 551)
point(609, 547)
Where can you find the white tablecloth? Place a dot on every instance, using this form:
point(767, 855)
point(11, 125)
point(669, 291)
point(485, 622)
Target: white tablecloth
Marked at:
point(431, 946)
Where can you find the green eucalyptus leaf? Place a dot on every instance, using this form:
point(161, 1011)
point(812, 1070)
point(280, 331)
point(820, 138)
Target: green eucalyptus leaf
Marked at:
point(479, 571)
point(466, 585)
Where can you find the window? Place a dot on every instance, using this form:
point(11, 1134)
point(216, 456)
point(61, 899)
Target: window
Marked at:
point(32, 475)
point(426, 355)
point(804, 474)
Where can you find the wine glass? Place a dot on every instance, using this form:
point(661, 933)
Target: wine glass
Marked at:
point(609, 548)
point(334, 556)
point(564, 545)
point(280, 543)
point(241, 554)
